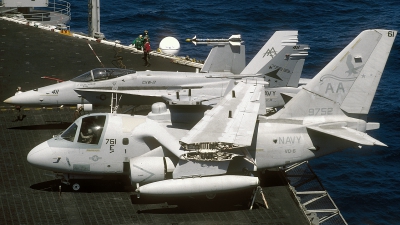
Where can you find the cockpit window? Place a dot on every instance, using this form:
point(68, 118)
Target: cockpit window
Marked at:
point(69, 134)
point(91, 129)
point(102, 74)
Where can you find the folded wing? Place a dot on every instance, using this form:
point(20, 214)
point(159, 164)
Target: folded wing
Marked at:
point(232, 121)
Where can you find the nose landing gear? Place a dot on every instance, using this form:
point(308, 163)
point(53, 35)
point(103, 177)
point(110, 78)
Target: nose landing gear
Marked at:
point(76, 186)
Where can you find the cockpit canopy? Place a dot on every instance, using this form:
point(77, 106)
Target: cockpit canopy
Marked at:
point(90, 130)
point(102, 74)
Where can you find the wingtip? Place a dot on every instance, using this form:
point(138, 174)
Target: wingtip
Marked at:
point(378, 143)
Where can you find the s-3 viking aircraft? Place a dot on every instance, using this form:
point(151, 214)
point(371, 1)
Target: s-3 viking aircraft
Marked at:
point(233, 141)
point(279, 62)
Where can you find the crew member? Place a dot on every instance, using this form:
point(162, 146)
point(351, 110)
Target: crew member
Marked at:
point(20, 116)
point(87, 138)
point(146, 52)
point(139, 42)
point(77, 112)
point(146, 36)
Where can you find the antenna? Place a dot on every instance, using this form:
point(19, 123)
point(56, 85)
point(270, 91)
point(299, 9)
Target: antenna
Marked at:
point(93, 17)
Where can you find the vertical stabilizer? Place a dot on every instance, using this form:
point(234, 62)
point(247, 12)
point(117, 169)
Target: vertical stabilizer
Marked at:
point(284, 70)
point(225, 58)
point(274, 45)
point(348, 83)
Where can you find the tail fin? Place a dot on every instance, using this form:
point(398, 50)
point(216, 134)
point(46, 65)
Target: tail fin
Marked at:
point(274, 45)
point(225, 58)
point(348, 83)
point(284, 70)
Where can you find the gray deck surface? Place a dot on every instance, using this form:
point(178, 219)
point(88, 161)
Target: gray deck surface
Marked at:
point(29, 196)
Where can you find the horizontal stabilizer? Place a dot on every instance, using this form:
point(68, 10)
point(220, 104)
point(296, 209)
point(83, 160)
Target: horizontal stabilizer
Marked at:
point(372, 126)
point(346, 133)
point(304, 81)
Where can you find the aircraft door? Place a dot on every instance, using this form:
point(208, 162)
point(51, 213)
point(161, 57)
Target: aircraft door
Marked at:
point(89, 137)
point(112, 150)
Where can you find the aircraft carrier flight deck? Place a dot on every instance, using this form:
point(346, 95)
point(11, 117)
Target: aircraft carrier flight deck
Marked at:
point(30, 196)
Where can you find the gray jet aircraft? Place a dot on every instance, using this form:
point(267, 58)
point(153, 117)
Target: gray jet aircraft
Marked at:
point(279, 62)
point(226, 148)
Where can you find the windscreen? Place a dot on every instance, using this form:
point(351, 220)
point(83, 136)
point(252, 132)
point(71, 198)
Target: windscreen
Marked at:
point(91, 129)
point(102, 74)
point(69, 133)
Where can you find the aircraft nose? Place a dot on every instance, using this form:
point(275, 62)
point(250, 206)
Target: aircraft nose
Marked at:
point(24, 98)
point(8, 100)
point(38, 154)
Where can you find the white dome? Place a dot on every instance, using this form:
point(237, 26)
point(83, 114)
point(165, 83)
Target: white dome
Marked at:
point(170, 45)
point(158, 108)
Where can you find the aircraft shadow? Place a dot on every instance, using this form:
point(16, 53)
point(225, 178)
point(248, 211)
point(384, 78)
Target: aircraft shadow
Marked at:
point(223, 202)
point(86, 186)
point(50, 126)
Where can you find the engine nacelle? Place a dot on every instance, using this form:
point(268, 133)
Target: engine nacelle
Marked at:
point(198, 185)
point(145, 170)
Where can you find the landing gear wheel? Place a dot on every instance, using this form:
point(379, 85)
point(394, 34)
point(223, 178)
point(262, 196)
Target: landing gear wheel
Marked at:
point(76, 187)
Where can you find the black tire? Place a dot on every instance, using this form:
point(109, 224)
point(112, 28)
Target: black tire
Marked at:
point(75, 186)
